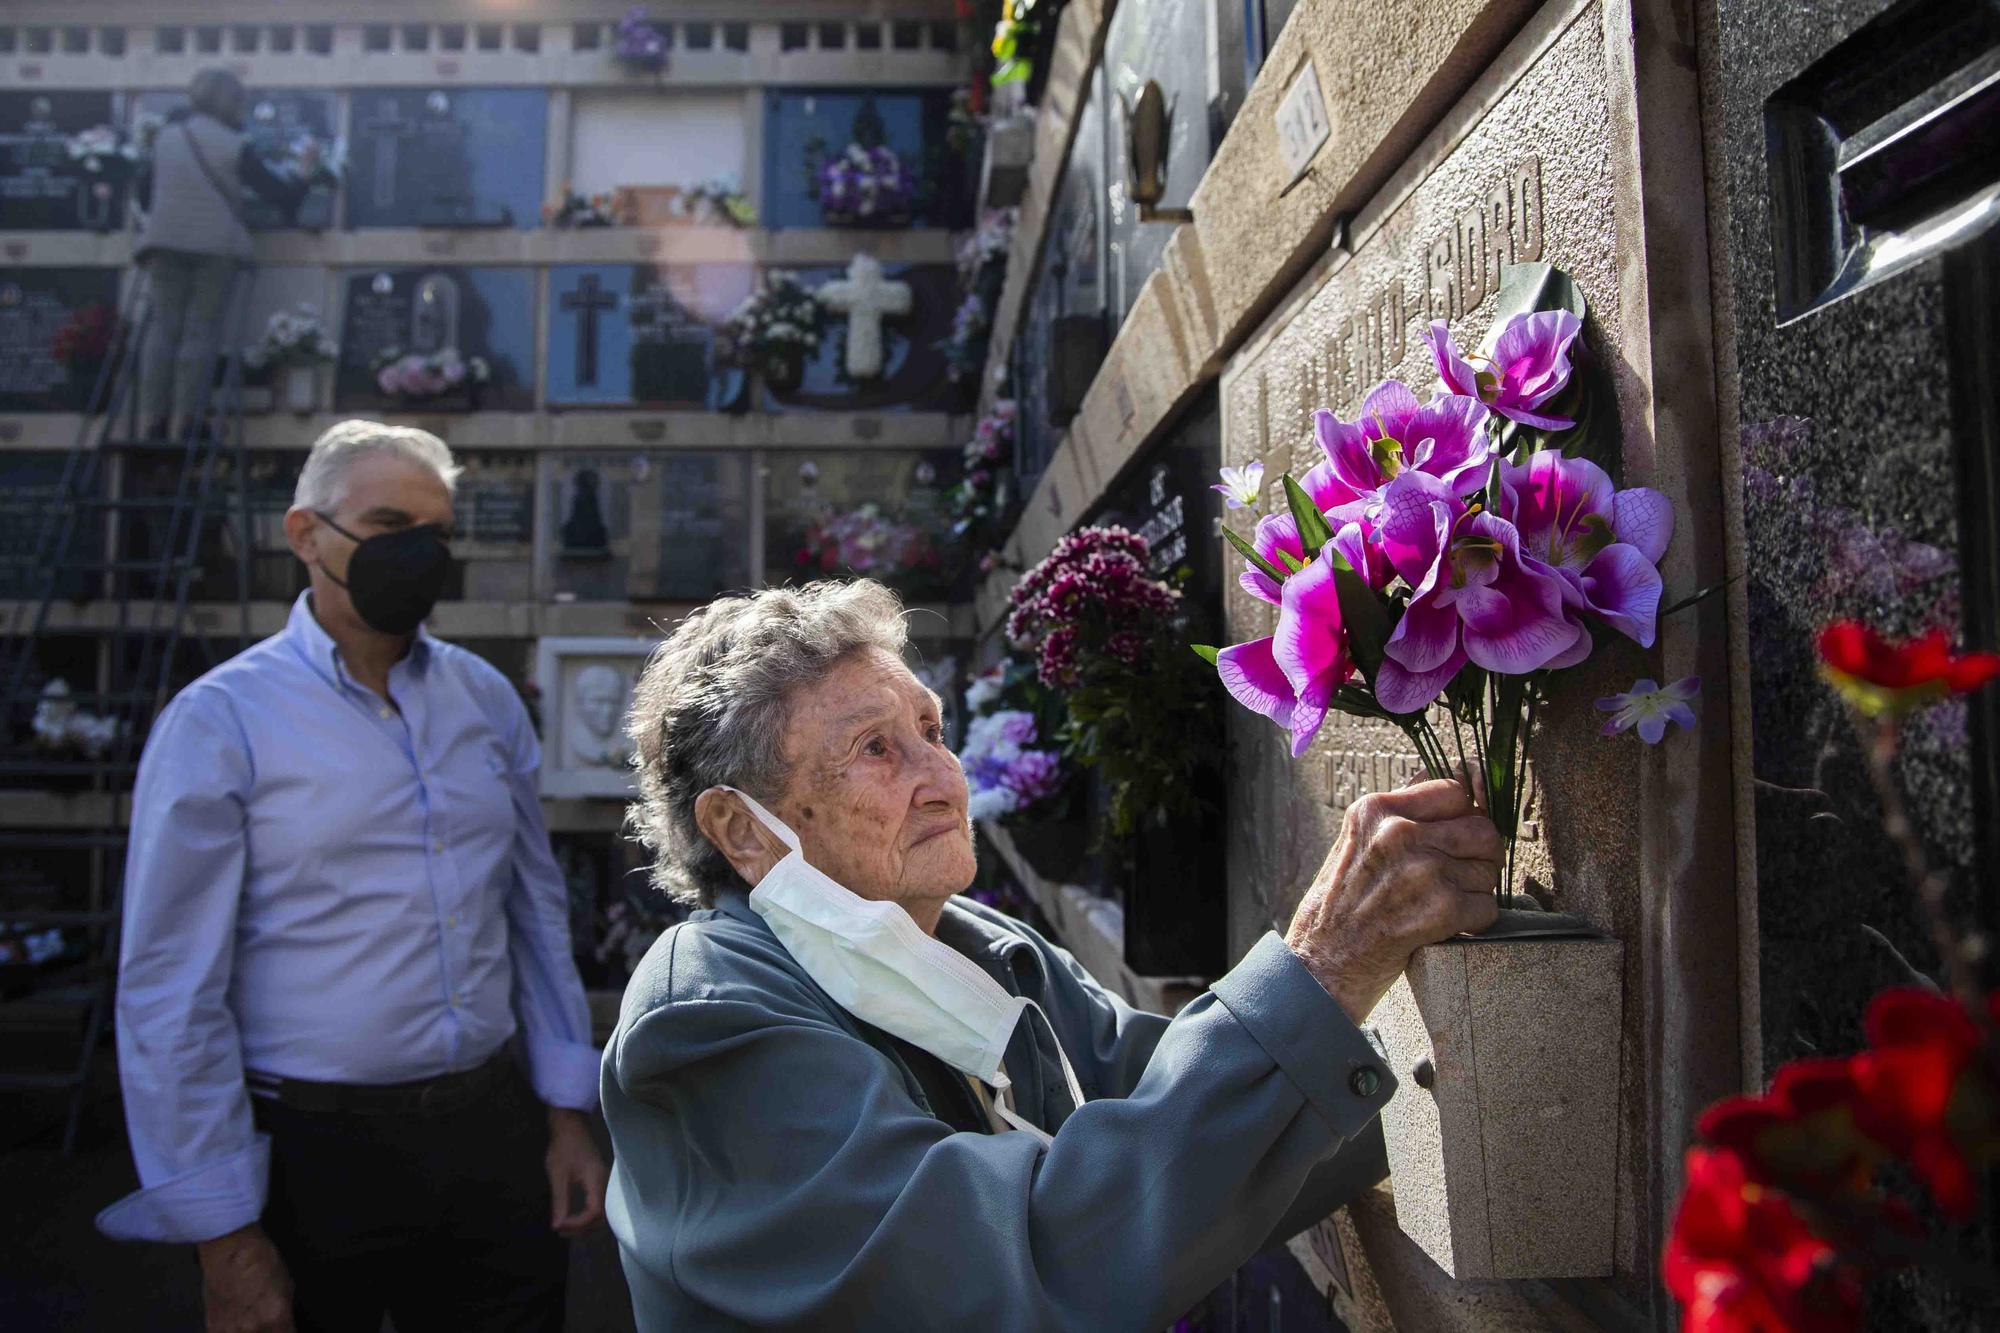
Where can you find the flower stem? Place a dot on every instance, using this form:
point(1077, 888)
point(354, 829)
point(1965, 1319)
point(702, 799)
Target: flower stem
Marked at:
point(1930, 885)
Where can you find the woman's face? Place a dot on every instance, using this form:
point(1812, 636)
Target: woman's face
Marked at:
point(876, 795)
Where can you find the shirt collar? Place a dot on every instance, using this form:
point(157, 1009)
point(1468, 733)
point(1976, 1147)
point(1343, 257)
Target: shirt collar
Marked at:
point(323, 654)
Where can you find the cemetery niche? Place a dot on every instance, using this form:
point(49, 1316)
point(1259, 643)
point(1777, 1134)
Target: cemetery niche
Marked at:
point(460, 157)
point(280, 123)
point(913, 373)
point(437, 340)
point(47, 154)
point(808, 133)
point(869, 514)
point(646, 527)
point(57, 328)
point(642, 335)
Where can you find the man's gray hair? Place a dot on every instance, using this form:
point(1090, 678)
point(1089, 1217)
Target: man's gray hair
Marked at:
point(323, 480)
point(711, 708)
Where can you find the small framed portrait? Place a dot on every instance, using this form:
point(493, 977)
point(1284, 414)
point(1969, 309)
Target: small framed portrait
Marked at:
point(586, 685)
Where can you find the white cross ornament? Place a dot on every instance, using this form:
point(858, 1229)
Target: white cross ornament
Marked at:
point(865, 297)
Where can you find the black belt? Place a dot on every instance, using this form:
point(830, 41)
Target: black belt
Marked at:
point(428, 1096)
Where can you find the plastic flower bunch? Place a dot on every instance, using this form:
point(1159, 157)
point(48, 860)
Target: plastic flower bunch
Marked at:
point(419, 375)
point(1004, 770)
point(867, 541)
point(63, 728)
point(1090, 604)
point(1449, 550)
point(866, 184)
point(292, 337)
point(974, 503)
point(638, 43)
point(779, 315)
point(965, 350)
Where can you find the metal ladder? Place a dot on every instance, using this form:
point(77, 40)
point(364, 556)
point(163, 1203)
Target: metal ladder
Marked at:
point(126, 561)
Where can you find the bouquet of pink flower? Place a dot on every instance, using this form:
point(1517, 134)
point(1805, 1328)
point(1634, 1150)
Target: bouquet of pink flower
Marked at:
point(1452, 552)
point(420, 375)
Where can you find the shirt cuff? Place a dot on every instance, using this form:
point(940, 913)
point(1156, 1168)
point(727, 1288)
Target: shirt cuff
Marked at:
point(198, 1205)
point(564, 1073)
point(1307, 1035)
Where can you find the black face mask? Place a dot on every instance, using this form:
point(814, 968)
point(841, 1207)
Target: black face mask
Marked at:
point(395, 578)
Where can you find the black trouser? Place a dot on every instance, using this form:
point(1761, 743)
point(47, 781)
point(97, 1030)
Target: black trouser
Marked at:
point(439, 1217)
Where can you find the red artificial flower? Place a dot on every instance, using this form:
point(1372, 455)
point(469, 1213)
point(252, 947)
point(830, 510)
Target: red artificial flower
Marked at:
point(1740, 1259)
point(1804, 1134)
point(1930, 1093)
point(1882, 677)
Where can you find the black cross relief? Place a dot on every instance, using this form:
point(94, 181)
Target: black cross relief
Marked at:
point(587, 300)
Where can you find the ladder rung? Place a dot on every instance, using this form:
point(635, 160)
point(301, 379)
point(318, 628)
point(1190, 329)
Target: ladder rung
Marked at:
point(26, 1082)
point(33, 768)
point(60, 842)
point(35, 696)
point(138, 502)
point(164, 565)
point(43, 916)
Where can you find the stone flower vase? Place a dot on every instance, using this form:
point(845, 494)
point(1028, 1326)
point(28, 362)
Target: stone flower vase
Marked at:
point(783, 369)
point(1503, 1132)
point(298, 389)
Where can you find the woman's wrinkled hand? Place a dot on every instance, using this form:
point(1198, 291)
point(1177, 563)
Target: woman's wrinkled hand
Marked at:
point(1411, 867)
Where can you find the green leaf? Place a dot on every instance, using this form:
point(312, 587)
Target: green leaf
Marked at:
point(1693, 598)
point(1364, 617)
point(1205, 651)
point(1291, 561)
point(1526, 288)
point(1249, 552)
point(1314, 530)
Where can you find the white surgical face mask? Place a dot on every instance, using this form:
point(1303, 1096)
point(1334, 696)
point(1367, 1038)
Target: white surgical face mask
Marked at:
point(880, 966)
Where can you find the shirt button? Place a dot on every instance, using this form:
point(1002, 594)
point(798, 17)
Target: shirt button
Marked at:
point(383, 712)
point(457, 999)
point(438, 846)
point(451, 922)
point(1365, 1081)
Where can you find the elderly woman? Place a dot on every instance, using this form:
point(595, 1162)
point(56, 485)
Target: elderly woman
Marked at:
point(842, 1097)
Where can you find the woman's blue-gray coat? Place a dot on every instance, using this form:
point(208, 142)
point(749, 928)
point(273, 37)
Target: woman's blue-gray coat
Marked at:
point(777, 1164)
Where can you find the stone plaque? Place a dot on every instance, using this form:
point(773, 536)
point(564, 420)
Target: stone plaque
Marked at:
point(56, 327)
point(446, 157)
point(1434, 250)
point(394, 315)
point(832, 514)
point(1168, 41)
point(652, 527)
point(280, 122)
point(914, 373)
point(801, 125)
point(29, 486)
point(43, 188)
point(641, 334)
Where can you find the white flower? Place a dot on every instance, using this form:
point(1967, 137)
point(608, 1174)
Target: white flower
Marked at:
point(993, 802)
point(984, 689)
point(1649, 706)
point(1242, 486)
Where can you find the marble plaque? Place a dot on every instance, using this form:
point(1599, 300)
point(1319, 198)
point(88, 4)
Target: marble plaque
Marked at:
point(1432, 247)
point(446, 157)
point(801, 125)
point(42, 188)
point(487, 313)
point(641, 334)
point(914, 373)
point(280, 121)
point(833, 514)
point(55, 332)
point(649, 527)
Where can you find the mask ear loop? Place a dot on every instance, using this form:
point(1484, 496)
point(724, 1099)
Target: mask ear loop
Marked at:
point(777, 826)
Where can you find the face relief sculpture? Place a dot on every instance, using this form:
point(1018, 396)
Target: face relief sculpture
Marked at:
point(597, 699)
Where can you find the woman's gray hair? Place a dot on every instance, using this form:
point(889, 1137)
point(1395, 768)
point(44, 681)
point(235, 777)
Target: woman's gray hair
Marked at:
point(711, 708)
point(322, 481)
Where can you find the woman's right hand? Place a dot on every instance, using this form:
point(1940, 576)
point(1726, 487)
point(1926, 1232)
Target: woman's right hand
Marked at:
point(1411, 867)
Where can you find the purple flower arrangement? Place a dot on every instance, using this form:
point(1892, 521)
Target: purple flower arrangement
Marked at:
point(639, 43)
point(1005, 771)
point(975, 506)
point(1104, 635)
point(1450, 553)
point(965, 350)
point(866, 185)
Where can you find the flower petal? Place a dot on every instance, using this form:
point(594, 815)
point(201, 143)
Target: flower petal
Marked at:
point(1253, 679)
point(1643, 518)
point(1456, 372)
point(1425, 637)
point(1402, 691)
point(1623, 587)
point(1310, 642)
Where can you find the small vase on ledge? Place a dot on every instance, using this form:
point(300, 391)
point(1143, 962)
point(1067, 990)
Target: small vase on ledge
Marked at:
point(299, 389)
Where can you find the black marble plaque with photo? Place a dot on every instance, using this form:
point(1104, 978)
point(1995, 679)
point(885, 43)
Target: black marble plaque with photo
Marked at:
point(459, 157)
point(56, 331)
point(43, 185)
point(437, 340)
point(280, 122)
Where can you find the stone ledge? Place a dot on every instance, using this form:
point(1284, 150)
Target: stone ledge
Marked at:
point(1389, 75)
point(1079, 44)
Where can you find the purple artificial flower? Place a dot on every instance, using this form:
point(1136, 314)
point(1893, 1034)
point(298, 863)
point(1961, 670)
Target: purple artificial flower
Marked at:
point(1474, 597)
point(1277, 536)
point(1649, 707)
point(1292, 676)
point(1605, 544)
point(1529, 366)
point(1445, 438)
point(1034, 775)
